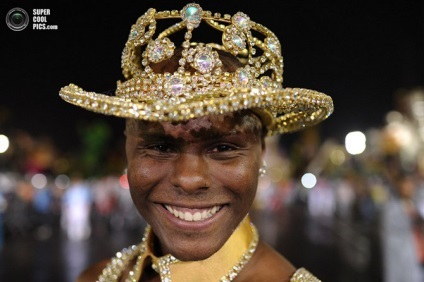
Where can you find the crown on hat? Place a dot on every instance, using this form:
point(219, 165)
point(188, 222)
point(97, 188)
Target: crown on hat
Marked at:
point(144, 84)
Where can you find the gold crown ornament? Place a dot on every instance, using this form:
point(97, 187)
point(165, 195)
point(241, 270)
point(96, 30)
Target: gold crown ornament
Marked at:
point(200, 86)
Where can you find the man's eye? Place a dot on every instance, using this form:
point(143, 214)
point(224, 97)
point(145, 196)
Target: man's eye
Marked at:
point(222, 148)
point(161, 148)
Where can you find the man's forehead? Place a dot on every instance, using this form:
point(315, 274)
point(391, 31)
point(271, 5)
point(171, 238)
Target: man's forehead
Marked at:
point(203, 127)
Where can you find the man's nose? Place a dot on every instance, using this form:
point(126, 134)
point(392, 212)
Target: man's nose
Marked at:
point(191, 172)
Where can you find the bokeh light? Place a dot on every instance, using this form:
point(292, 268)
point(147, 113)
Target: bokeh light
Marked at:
point(355, 142)
point(309, 180)
point(337, 157)
point(39, 181)
point(4, 143)
point(62, 181)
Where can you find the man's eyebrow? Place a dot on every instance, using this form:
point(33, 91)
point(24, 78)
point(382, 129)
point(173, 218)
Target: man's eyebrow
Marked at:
point(211, 134)
point(155, 136)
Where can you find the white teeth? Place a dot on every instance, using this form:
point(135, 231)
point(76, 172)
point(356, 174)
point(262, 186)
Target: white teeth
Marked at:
point(197, 216)
point(188, 216)
point(193, 216)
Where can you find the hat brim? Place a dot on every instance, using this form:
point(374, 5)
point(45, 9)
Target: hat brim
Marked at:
point(282, 110)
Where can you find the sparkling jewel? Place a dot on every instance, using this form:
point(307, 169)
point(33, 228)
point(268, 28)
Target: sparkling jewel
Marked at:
point(273, 45)
point(157, 53)
point(175, 85)
point(192, 13)
point(159, 50)
point(238, 41)
point(266, 81)
point(241, 20)
point(204, 63)
point(233, 40)
point(133, 34)
point(243, 77)
point(205, 60)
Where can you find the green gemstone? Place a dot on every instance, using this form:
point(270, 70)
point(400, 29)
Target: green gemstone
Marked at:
point(192, 14)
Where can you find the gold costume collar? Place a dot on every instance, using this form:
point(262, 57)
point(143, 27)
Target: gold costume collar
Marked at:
point(224, 265)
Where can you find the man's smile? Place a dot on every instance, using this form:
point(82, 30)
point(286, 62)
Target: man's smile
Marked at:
point(189, 214)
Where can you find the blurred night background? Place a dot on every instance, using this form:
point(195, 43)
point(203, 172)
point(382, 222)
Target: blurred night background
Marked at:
point(348, 207)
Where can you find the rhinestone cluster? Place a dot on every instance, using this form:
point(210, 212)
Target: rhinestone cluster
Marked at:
point(186, 94)
point(114, 269)
point(302, 275)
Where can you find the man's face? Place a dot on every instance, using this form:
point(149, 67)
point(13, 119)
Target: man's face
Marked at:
point(194, 182)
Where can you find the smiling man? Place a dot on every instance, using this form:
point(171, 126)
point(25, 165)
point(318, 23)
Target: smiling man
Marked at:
point(196, 120)
point(194, 181)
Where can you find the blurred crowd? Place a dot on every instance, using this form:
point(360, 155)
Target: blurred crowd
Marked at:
point(36, 204)
point(371, 201)
point(370, 204)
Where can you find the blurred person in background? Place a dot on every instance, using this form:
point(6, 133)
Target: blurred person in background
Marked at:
point(76, 209)
point(20, 212)
point(402, 231)
point(3, 207)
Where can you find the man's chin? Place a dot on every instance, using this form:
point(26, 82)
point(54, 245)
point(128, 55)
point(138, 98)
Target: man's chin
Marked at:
point(193, 252)
point(192, 256)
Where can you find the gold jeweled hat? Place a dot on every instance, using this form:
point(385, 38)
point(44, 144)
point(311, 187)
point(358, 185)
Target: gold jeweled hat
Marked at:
point(184, 94)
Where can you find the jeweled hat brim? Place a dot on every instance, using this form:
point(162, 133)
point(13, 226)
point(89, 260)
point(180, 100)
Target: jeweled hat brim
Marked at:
point(282, 110)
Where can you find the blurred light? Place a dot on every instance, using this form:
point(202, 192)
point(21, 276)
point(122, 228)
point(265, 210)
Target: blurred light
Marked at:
point(393, 117)
point(62, 181)
point(39, 181)
point(4, 143)
point(337, 157)
point(276, 173)
point(400, 134)
point(355, 142)
point(123, 181)
point(264, 183)
point(309, 180)
point(418, 108)
point(7, 182)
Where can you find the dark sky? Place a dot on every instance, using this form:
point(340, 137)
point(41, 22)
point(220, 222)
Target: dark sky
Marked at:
point(358, 52)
